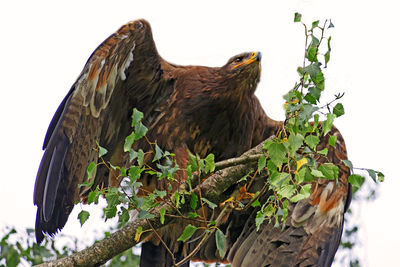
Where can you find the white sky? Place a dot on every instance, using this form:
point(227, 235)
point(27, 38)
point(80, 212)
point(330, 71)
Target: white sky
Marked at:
point(45, 44)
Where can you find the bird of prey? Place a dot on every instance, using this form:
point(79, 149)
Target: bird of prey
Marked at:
point(186, 108)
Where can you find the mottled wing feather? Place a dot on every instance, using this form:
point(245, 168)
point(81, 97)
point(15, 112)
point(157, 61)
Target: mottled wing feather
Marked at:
point(84, 118)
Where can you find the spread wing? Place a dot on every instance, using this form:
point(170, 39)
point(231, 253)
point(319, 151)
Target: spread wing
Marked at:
point(314, 226)
point(125, 71)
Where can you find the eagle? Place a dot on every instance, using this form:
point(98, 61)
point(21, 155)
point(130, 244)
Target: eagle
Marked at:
point(186, 108)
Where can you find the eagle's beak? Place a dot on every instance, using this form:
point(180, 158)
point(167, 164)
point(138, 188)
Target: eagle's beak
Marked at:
point(255, 56)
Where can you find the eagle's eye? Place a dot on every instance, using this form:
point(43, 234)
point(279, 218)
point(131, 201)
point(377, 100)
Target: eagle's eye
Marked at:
point(238, 59)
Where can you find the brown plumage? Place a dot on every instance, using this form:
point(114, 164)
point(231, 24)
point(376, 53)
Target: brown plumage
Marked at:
point(314, 226)
point(200, 109)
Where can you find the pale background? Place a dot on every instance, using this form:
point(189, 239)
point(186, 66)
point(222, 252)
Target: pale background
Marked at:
point(44, 46)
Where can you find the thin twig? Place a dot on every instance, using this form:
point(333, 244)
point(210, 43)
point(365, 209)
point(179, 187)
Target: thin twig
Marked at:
point(265, 187)
point(224, 211)
point(162, 241)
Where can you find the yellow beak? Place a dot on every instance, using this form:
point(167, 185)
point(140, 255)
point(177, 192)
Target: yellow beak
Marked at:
point(255, 56)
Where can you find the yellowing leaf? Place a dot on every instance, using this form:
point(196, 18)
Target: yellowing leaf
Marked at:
point(300, 163)
point(228, 200)
point(139, 232)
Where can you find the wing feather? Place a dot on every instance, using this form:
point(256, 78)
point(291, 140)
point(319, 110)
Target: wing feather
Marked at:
point(123, 72)
point(314, 226)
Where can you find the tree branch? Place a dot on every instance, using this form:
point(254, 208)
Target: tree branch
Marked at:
point(213, 188)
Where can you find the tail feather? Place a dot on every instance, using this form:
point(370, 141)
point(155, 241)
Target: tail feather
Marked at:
point(47, 196)
point(54, 175)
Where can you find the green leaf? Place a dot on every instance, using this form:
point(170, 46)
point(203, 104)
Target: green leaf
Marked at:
point(297, 17)
point(306, 190)
point(300, 175)
point(317, 173)
point(312, 141)
point(260, 218)
point(277, 153)
point(209, 203)
point(189, 170)
point(314, 40)
point(210, 165)
point(310, 99)
point(193, 162)
point(315, 92)
point(137, 116)
point(307, 112)
point(129, 140)
point(123, 216)
point(314, 24)
point(144, 214)
point(162, 215)
point(338, 110)
point(267, 144)
point(262, 160)
point(94, 196)
point(160, 193)
point(287, 191)
point(220, 241)
point(102, 151)
point(332, 140)
point(135, 173)
point(83, 216)
point(300, 71)
point(132, 155)
point(295, 142)
point(122, 170)
point(91, 170)
point(110, 212)
point(327, 124)
point(316, 75)
point(381, 177)
point(140, 157)
point(256, 203)
point(278, 179)
point(329, 170)
point(372, 174)
point(330, 26)
point(187, 233)
point(312, 53)
point(140, 131)
point(159, 153)
point(193, 215)
point(269, 210)
point(193, 201)
point(303, 194)
point(86, 184)
point(348, 163)
point(327, 57)
point(177, 199)
point(356, 181)
point(323, 151)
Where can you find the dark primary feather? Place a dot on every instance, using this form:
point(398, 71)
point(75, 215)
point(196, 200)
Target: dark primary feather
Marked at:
point(200, 109)
point(123, 72)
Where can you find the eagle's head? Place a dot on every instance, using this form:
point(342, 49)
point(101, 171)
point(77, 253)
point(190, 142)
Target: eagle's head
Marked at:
point(243, 72)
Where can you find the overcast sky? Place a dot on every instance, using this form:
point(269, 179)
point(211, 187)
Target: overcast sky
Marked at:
point(45, 44)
